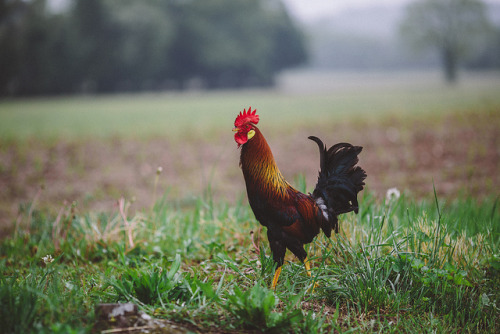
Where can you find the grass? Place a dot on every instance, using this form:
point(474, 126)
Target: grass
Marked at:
point(401, 265)
point(200, 114)
point(397, 266)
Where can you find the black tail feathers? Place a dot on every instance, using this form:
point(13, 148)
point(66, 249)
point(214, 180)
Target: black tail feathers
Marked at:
point(339, 180)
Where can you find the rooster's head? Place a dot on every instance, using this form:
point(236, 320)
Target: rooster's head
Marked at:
point(244, 126)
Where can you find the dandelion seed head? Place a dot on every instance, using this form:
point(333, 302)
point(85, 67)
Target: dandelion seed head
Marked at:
point(392, 194)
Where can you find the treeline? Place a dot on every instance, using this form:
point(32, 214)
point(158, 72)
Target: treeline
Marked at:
point(127, 45)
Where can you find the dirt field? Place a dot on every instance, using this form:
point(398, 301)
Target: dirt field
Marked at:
point(459, 152)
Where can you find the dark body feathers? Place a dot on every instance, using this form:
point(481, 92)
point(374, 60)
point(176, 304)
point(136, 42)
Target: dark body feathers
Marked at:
point(291, 217)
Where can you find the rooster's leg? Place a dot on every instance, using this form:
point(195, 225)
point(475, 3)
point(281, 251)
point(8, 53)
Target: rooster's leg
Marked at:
point(275, 278)
point(307, 265)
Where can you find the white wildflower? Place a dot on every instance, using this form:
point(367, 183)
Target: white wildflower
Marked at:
point(47, 259)
point(159, 170)
point(392, 194)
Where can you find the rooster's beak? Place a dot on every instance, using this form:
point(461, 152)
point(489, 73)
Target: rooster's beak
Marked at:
point(236, 129)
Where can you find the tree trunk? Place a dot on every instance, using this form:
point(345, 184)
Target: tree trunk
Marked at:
point(450, 65)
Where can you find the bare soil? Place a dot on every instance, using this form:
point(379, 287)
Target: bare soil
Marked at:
point(458, 152)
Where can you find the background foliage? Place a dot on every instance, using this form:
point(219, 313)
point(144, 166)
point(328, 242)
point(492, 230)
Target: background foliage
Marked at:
point(454, 28)
point(110, 45)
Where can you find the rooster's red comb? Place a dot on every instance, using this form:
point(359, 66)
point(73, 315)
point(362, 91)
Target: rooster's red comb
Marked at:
point(246, 116)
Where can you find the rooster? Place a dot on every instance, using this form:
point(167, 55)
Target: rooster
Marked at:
point(292, 218)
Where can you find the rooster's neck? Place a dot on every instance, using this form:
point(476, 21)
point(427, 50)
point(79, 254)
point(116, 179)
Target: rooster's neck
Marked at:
point(259, 167)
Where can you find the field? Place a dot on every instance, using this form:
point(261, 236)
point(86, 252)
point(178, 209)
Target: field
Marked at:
point(88, 217)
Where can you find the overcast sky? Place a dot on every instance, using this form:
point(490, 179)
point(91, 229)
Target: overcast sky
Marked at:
point(311, 9)
point(308, 10)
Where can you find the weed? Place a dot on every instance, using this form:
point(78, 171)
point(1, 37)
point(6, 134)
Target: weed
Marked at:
point(151, 286)
point(19, 306)
point(254, 309)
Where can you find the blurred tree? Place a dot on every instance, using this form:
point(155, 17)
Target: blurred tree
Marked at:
point(11, 20)
point(453, 27)
point(128, 45)
point(288, 42)
point(229, 43)
point(99, 38)
point(124, 44)
point(131, 45)
point(35, 51)
point(489, 56)
point(147, 34)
